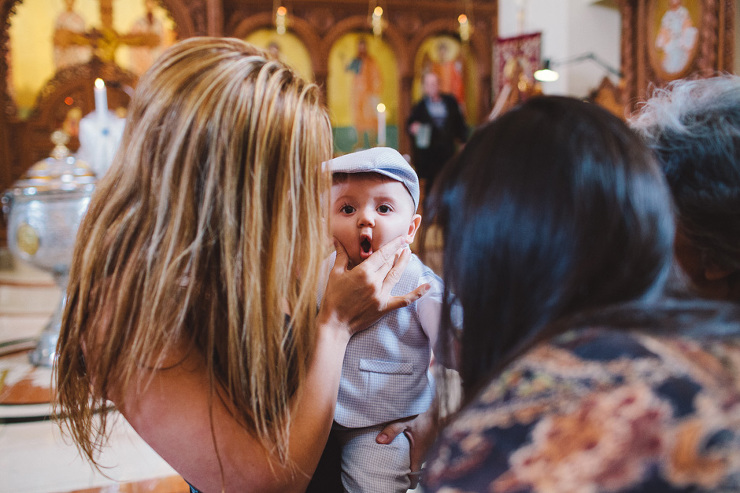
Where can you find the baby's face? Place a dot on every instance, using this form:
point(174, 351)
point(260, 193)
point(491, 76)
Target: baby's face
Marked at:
point(367, 211)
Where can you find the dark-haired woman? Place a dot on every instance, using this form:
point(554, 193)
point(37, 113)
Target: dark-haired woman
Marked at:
point(693, 127)
point(578, 375)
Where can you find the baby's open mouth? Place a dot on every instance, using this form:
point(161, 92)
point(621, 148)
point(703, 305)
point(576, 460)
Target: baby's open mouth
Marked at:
point(366, 248)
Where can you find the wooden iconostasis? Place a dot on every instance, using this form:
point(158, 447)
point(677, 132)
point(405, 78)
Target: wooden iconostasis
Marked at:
point(52, 50)
point(51, 57)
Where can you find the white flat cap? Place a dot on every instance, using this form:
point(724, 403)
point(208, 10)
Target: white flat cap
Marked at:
point(385, 161)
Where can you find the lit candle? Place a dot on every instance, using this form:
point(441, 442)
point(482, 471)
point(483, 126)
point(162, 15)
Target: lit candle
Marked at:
point(378, 21)
point(381, 124)
point(101, 100)
point(282, 12)
point(464, 27)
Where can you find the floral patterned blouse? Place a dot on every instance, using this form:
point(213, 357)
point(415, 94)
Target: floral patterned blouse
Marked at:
point(600, 410)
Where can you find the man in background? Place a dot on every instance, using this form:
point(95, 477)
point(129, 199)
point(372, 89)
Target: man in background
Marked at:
point(436, 126)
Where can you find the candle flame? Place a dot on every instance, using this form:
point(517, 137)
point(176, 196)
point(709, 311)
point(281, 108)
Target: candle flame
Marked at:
point(381, 108)
point(99, 83)
point(378, 11)
point(280, 17)
point(464, 28)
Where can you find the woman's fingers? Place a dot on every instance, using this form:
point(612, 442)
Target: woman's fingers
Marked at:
point(421, 432)
point(395, 302)
point(342, 258)
point(391, 431)
point(396, 261)
point(400, 261)
point(385, 256)
point(358, 297)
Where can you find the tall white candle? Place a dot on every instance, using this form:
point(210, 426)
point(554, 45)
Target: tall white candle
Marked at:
point(381, 124)
point(101, 100)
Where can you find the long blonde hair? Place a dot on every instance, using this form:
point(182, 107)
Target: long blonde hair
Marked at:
point(198, 234)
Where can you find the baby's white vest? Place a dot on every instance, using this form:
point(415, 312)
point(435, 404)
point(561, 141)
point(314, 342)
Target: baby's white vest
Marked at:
point(385, 374)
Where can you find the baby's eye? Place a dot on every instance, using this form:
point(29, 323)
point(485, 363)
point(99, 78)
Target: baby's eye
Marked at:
point(347, 209)
point(384, 209)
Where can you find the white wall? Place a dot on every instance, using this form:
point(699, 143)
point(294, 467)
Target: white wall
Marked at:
point(569, 28)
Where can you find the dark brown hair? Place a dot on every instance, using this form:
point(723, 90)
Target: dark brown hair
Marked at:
point(553, 209)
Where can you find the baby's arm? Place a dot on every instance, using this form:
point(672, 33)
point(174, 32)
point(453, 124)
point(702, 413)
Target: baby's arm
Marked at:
point(429, 310)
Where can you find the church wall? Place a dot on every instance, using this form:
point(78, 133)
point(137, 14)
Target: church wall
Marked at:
point(569, 28)
point(592, 28)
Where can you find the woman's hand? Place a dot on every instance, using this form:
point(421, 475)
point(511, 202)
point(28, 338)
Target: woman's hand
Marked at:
point(421, 430)
point(356, 298)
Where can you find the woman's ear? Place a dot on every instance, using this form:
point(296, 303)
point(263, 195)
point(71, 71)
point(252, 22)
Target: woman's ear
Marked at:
point(695, 263)
point(413, 227)
point(713, 272)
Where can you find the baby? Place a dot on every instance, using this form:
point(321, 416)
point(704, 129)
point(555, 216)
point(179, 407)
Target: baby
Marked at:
point(385, 375)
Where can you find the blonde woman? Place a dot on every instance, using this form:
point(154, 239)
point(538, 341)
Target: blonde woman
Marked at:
point(192, 294)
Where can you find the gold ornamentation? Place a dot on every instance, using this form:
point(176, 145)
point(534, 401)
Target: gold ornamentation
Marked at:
point(27, 239)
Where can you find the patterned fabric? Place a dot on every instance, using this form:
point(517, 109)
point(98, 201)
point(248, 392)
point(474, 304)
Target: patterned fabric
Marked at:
point(598, 410)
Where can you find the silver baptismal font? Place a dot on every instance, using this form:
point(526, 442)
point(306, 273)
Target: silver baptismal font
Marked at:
point(43, 210)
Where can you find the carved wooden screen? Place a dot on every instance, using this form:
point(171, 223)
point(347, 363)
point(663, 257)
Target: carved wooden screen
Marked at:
point(25, 140)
